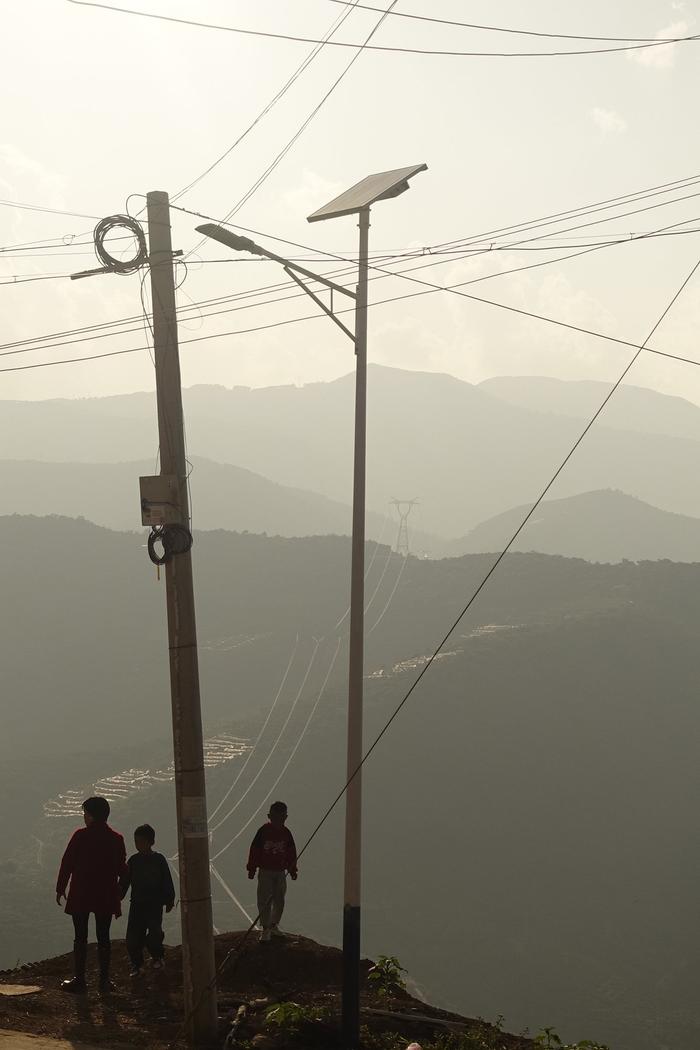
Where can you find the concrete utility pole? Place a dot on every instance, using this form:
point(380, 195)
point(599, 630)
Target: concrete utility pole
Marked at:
point(199, 975)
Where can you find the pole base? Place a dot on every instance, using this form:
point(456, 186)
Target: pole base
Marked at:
point(351, 977)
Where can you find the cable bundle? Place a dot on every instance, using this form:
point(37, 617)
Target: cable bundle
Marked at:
point(104, 227)
point(174, 539)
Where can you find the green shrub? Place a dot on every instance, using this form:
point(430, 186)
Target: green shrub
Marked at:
point(291, 1016)
point(548, 1039)
point(385, 976)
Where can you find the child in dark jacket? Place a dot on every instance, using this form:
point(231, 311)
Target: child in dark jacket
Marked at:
point(152, 890)
point(93, 863)
point(272, 854)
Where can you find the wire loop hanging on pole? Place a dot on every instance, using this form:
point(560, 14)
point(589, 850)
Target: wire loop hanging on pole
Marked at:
point(174, 539)
point(104, 227)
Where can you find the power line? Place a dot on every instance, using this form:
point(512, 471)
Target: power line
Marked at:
point(466, 608)
point(381, 302)
point(519, 227)
point(516, 32)
point(21, 346)
point(274, 100)
point(487, 576)
point(604, 205)
point(292, 709)
point(291, 755)
point(381, 273)
point(304, 125)
point(378, 47)
point(43, 208)
point(261, 733)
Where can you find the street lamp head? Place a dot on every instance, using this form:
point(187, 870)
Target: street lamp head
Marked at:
point(231, 240)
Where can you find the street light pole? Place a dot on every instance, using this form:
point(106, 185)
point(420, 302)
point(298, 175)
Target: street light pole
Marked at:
point(353, 800)
point(355, 201)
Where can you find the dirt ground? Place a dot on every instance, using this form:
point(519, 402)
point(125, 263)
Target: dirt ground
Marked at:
point(148, 1011)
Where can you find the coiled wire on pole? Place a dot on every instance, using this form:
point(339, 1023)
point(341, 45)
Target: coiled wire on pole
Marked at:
point(173, 538)
point(112, 222)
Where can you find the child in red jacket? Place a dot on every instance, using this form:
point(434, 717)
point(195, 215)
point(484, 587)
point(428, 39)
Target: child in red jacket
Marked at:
point(273, 854)
point(94, 862)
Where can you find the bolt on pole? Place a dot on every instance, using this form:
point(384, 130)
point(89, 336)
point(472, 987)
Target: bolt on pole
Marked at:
point(199, 974)
point(353, 805)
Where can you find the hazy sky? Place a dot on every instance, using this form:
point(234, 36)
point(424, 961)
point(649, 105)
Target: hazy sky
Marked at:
point(100, 105)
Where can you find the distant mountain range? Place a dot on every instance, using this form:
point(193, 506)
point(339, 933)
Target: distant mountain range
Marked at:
point(469, 453)
point(601, 526)
point(632, 408)
point(223, 497)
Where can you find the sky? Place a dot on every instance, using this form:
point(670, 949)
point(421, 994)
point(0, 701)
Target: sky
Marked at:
point(106, 106)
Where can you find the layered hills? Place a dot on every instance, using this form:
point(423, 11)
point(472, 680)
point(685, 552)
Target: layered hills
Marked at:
point(541, 774)
point(467, 453)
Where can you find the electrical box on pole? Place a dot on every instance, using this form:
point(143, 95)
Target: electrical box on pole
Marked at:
point(160, 500)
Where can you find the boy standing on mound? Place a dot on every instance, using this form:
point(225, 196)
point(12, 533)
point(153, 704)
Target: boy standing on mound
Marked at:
point(152, 890)
point(94, 862)
point(272, 854)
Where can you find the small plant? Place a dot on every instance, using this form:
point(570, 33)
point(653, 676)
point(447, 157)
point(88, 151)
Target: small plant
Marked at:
point(292, 1016)
point(385, 976)
point(548, 1039)
point(381, 1040)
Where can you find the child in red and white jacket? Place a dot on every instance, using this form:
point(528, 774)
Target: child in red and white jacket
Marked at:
point(272, 854)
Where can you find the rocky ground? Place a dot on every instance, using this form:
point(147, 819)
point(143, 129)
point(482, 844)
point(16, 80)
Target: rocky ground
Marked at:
point(254, 978)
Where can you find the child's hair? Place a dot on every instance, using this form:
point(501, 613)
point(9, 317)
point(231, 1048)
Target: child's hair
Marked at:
point(145, 831)
point(278, 807)
point(97, 807)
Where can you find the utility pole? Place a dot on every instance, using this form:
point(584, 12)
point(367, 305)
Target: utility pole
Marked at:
point(199, 974)
point(353, 800)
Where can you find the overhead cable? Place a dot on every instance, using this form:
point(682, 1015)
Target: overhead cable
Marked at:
point(290, 757)
point(292, 709)
point(515, 32)
point(273, 101)
point(303, 126)
point(6, 350)
point(430, 288)
point(46, 210)
point(519, 227)
point(497, 561)
point(236, 953)
point(259, 737)
point(385, 48)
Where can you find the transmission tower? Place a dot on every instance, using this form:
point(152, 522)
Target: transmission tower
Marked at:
point(403, 508)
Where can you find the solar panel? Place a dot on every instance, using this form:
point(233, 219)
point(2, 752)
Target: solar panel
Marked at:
point(372, 188)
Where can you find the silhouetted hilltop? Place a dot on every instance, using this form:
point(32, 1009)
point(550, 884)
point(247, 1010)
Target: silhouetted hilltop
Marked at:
point(599, 526)
point(254, 979)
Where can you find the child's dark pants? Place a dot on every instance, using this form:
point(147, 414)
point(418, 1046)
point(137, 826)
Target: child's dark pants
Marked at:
point(80, 926)
point(144, 930)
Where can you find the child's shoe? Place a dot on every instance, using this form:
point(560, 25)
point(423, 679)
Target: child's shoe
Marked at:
point(135, 972)
point(74, 985)
point(158, 964)
point(276, 931)
point(266, 935)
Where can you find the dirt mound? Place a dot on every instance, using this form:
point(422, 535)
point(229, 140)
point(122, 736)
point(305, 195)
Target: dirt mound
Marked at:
point(253, 978)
